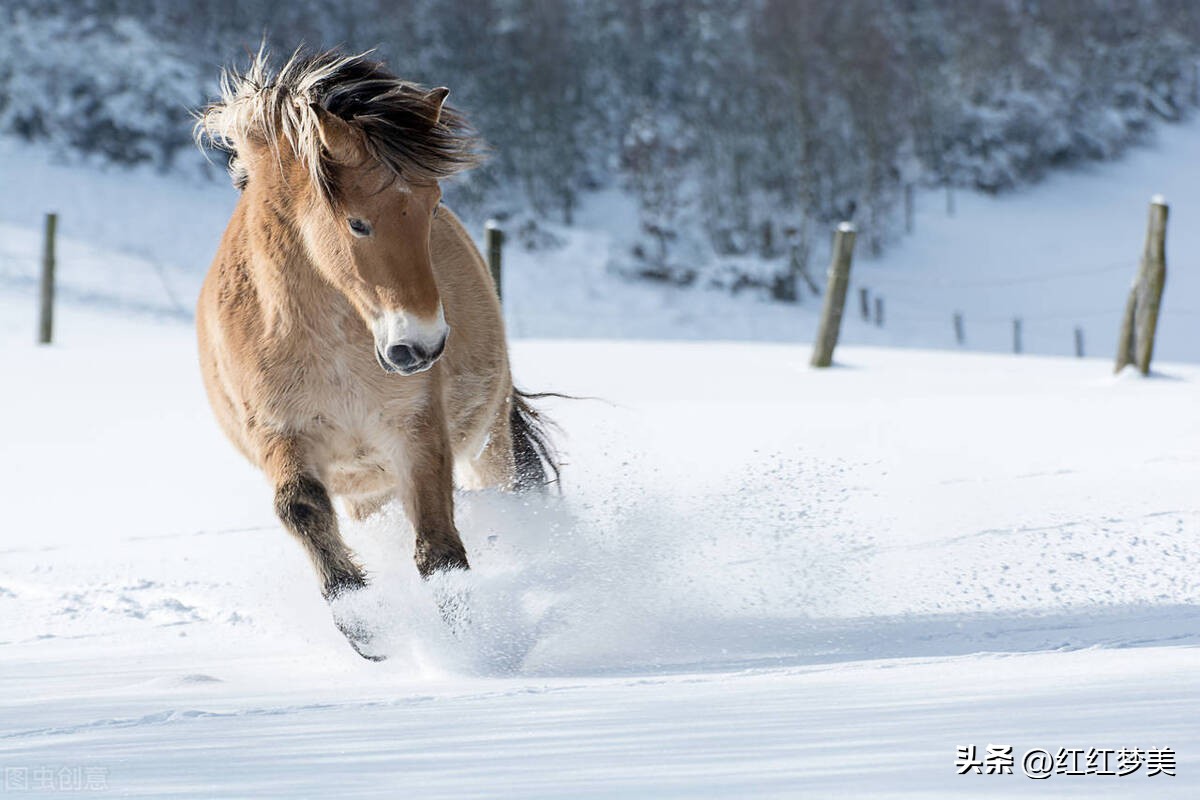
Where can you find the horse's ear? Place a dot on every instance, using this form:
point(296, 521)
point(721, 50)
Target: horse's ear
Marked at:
point(434, 99)
point(338, 137)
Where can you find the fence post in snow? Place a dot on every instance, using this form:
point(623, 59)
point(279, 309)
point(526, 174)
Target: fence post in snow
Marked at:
point(46, 317)
point(835, 296)
point(878, 312)
point(864, 303)
point(960, 335)
point(494, 244)
point(1154, 278)
point(1078, 342)
point(1017, 335)
point(1135, 342)
point(908, 208)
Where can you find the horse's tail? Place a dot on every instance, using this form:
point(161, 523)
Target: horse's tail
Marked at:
point(537, 462)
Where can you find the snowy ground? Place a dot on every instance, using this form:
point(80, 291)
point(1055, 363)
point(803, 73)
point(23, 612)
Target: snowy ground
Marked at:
point(761, 580)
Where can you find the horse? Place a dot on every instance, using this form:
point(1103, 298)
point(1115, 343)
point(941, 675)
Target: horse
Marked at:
point(350, 334)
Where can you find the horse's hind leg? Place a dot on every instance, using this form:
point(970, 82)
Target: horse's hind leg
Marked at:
point(517, 455)
point(492, 466)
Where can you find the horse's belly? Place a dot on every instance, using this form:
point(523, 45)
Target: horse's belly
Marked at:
point(352, 482)
point(360, 475)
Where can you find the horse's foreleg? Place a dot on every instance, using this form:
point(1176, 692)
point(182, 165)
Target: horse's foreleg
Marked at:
point(428, 493)
point(305, 509)
point(303, 505)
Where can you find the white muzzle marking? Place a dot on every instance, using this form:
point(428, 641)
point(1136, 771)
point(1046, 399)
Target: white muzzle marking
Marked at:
point(406, 343)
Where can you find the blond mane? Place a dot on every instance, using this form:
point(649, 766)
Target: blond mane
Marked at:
point(275, 108)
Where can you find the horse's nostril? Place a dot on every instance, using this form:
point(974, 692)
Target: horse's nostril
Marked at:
point(402, 356)
point(412, 357)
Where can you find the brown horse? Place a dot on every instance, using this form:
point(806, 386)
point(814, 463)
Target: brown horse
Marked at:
point(350, 335)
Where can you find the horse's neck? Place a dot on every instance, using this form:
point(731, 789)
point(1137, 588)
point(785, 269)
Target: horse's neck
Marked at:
point(291, 290)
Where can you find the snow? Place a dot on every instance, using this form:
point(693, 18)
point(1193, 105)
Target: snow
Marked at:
point(760, 579)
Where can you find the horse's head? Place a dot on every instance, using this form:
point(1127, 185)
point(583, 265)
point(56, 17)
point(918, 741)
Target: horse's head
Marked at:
point(348, 157)
point(370, 238)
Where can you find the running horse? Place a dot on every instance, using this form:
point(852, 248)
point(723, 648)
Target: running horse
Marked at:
point(350, 335)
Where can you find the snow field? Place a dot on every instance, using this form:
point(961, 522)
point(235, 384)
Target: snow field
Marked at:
point(731, 597)
point(760, 580)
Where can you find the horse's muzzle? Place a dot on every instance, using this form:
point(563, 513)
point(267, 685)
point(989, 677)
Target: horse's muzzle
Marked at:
point(409, 358)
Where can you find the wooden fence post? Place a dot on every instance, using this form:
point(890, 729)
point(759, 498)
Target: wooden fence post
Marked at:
point(494, 244)
point(1154, 278)
point(1017, 348)
point(864, 303)
point(1139, 323)
point(1078, 342)
point(878, 312)
point(835, 296)
point(909, 207)
point(960, 335)
point(46, 317)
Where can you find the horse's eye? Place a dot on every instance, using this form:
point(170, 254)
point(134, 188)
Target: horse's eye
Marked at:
point(359, 227)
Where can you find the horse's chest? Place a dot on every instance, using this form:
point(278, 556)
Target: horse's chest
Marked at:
point(328, 391)
point(352, 419)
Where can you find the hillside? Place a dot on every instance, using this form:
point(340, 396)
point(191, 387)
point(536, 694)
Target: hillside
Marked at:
point(1058, 255)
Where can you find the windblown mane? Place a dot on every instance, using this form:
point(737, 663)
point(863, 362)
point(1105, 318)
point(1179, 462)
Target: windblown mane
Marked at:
point(260, 103)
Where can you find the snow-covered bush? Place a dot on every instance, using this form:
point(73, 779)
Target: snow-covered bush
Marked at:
point(95, 86)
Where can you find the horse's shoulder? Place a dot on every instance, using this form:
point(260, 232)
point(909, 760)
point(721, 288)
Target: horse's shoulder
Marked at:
point(235, 294)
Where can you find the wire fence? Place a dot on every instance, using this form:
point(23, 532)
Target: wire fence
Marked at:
point(107, 280)
point(994, 283)
point(97, 279)
point(904, 307)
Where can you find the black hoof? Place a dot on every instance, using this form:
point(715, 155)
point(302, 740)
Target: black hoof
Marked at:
point(351, 614)
point(360, 639)
point(343, 586)
point(430, 563)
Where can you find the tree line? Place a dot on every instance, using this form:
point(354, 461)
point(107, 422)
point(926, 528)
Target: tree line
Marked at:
point(730, 121)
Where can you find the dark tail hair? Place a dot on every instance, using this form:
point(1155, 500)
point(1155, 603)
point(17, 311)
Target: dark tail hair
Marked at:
point(537, 463)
